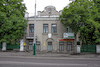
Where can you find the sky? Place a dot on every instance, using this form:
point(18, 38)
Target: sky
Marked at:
point(41, 4)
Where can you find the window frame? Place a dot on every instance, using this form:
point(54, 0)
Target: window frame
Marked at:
point(53, 31)
point(69, 46)
point(38, 44)
point(61, 46)
point(68, 30)
point(44, 28)
point(31, 28)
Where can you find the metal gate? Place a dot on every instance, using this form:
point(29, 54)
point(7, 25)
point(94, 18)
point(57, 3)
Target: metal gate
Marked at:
point(88, 48)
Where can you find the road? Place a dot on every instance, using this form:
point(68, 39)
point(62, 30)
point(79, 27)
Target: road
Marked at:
point(48, 62)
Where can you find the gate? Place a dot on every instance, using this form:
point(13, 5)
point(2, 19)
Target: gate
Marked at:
point(88, 48)
point(0, 46)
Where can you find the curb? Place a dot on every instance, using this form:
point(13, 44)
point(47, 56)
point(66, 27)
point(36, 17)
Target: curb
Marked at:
point(53, 58)
point(29, 54)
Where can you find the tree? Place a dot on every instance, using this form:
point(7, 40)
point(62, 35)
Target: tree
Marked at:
point(12, 22)
point(81, 16)
point(97, 4)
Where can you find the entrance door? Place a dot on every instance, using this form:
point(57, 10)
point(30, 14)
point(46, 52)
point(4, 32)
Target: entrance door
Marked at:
point(69, 46)
point(30, 45)
point(61, 46)
point(38, 46)
point(49, 46)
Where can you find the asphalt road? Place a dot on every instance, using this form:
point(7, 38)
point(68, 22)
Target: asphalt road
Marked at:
point(48, 62)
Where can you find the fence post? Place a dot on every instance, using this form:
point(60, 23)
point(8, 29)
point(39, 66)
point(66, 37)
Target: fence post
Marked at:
point(4, 46)
point(97, 48)
point(21, 45)
point(78, 48)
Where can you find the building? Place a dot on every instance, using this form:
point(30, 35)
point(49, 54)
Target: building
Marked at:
point(75, 0)
point(51, 35)
point(71, 0)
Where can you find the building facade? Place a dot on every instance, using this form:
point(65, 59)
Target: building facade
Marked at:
point(51, 35)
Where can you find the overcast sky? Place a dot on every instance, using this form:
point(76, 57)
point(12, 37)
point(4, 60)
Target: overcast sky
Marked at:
point(41, 4)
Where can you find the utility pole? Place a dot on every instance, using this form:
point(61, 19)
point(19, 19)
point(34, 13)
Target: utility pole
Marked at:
point(34, 39)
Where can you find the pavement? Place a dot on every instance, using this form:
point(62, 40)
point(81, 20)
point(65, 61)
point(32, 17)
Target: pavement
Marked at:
point(30, 54)
point(48, 62)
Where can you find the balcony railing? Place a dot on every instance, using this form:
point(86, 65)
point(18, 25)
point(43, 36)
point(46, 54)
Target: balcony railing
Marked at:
point(29, 35)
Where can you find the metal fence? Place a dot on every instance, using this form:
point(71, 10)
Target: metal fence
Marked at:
point(0, 46)
point(88, 48)
point(13, 46)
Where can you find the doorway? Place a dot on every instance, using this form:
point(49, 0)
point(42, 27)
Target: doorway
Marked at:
point(69, 46)
point(49, 46)
point(30, 45)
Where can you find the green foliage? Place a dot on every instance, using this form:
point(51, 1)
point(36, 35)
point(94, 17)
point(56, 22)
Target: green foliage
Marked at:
point(83, 16)
point(12, 22)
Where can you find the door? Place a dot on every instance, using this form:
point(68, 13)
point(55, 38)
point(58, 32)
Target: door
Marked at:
point(49, 46)
point(69, 46)
point(38, 46)
point(61, 46)
point(30, 45)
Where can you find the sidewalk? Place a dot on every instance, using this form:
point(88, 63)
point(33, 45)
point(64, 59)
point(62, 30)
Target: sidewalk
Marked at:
point(30, 54)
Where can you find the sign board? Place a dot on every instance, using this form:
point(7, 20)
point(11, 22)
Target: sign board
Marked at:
point(68, 35)
point(24, 43)
point(71, 0)
point(49, 35)
point(66, 40)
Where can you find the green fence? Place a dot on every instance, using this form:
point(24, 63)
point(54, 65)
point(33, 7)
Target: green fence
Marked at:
point(13, 46)
point(0, 46)
point(88, 48)
point(10, 46)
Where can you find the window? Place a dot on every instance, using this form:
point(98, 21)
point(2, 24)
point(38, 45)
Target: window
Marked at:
point(38, 46)
point(69, 46)
point(54, 28)
point(68, 30)
point(61, 46)
point(49, 43)
point(45, 28)
point(31, 28)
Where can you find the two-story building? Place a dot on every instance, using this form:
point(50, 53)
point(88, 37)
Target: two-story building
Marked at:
point(51, 35)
